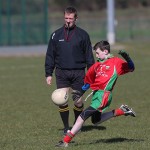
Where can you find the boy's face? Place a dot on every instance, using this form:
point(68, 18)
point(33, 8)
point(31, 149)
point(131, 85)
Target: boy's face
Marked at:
point(69, 19)
point(101, 54)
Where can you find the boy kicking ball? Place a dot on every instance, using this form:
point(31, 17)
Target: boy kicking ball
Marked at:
point(101, 78)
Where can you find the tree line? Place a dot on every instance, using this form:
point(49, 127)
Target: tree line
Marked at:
point(16, 6)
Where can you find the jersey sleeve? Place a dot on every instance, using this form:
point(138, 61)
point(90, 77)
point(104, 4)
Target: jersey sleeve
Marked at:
point(90, 75)
point(122, 66)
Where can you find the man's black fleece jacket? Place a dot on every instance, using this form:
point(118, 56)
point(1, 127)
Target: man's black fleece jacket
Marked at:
point(68, 49)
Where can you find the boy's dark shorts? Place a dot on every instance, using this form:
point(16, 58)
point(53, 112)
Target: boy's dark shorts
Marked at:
point(70, 78)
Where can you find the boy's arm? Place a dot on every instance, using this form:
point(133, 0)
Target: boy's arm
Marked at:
point(126, 56)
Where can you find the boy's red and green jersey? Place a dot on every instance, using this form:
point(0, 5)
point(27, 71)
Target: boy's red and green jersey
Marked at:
point(103, 74)
point(102, 77)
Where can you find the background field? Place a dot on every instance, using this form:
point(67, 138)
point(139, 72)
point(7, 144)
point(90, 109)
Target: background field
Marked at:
point(30, 121)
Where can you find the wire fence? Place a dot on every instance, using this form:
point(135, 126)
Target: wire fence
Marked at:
point(33, 33)
point(35, 28)
point(24, 27)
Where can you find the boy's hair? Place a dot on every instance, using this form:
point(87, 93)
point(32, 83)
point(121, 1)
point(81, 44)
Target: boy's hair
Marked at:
point(103, 45)
point(70, 10)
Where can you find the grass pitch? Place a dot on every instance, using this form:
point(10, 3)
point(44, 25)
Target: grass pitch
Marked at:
point(30, 121)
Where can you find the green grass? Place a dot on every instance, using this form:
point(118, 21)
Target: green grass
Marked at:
point(30, 121)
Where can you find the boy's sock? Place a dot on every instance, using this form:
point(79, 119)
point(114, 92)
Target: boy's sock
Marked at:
point(118, 112)
point(68, 137)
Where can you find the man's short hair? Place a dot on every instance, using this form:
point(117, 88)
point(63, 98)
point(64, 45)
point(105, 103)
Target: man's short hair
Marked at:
point(103, 45)
point(70, 10)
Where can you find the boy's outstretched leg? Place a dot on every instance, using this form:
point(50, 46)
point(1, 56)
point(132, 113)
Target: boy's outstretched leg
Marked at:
point(96, 117)
point(123, 110)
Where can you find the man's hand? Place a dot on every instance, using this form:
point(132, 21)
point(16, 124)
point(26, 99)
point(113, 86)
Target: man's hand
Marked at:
point(124, 54)
point(49, 80)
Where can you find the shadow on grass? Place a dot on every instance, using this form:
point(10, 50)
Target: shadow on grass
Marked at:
point(115, 140)
point(90, 127)
point(110, 141)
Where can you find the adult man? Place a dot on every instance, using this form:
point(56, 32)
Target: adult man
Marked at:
point(69, 53)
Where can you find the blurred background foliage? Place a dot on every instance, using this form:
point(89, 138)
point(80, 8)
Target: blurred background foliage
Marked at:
point(26, 22)
point(58, 5)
